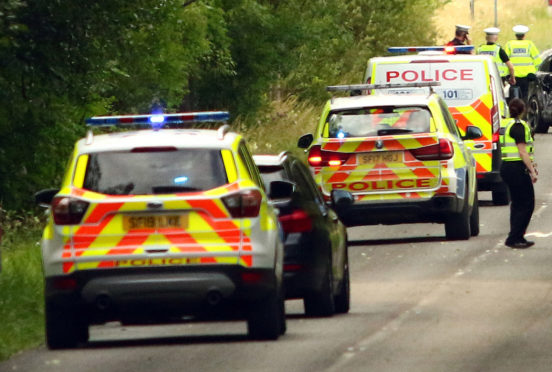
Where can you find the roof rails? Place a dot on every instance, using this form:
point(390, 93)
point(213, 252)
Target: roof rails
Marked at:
point(449, 49)
point(352, 87)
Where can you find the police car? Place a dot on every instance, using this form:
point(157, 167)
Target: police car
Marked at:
point(401, 156)
point(156, 224)
point(472, 88)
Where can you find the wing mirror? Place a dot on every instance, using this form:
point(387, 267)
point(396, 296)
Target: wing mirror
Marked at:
point(472, 133)
point(305, 141)
point(341, 199)
point(44, 198)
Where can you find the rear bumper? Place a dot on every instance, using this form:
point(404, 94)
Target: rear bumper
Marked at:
point(160, 293)
point(488, 181)
point(436, 209)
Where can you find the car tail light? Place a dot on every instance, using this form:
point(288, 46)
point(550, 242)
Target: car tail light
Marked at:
point(293, 267)
point(320, 158)
point(251, 277)
point(65, 283)
point(296, 222)
point(496, 136)
point(244, 204)
point(441, 151)
point(67, 210)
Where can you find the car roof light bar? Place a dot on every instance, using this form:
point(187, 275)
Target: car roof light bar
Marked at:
point(159, 120)
point(346, 88)
point(444, 48)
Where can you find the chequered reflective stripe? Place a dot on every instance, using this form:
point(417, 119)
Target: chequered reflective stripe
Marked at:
point(390, 143)
point(211, 237)
point(479, 114)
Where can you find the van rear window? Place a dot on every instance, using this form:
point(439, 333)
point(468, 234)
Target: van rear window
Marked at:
point(155, 171)
point(378, 121)
point(461, 82)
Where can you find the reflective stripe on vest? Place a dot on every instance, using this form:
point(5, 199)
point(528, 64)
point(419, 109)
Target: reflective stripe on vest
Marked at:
point(510, 150)
point(521, 57)
point(493, 50)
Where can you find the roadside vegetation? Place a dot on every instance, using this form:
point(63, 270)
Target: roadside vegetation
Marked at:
point(267, 61)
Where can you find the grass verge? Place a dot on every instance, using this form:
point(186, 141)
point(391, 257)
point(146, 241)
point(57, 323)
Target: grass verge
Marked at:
point(21, 284)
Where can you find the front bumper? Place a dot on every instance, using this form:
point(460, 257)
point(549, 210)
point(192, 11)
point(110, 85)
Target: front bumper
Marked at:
point(436, 209)
point(158, 294)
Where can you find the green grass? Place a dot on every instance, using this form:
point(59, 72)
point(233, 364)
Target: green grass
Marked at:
point(21, 284)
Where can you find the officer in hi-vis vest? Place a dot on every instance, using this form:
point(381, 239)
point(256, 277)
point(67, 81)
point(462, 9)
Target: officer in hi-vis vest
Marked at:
point(524, 55)
point(519, 173)
point(505, 66)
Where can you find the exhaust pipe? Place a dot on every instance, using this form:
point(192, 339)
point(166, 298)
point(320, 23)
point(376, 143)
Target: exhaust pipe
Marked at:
point(214, 297)
point(103, 302)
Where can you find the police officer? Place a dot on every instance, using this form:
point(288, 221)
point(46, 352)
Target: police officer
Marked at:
point(505, 66)
point(519, 173)
point(461, 37)
point(524, 56)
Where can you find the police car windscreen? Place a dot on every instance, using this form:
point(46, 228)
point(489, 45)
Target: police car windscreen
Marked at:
point(147, 172)
point(387, 120)
point(461, 82)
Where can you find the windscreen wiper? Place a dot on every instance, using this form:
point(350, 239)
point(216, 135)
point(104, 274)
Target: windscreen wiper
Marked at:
point(383, 132)
point(172, 188)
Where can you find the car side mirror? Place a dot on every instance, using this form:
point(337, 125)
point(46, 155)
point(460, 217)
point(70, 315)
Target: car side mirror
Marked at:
point(341, 198)
point(531, 77)
point(472, 133)
point(281, 190)
point(305, 141)
point(44, 198)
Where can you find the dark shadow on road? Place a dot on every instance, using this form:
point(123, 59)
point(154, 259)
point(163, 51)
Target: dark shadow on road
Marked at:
point(423, 239)
point(160, 341)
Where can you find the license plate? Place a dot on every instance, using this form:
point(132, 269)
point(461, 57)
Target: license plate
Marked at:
point(153, 222)
point(381, 157)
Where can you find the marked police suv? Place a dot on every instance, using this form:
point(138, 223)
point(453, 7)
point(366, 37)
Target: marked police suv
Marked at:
point(153, 225)
point(472, 88)
point(401, 156)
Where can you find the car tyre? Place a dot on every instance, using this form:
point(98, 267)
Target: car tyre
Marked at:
point(457, 225)
point(474, 217)
point(534, 116)
point(343, 299)
point(321, 303)
point(64, 329)
point(266, 319)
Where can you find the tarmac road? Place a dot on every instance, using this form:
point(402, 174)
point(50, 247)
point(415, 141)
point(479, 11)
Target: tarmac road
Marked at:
point(419, 303)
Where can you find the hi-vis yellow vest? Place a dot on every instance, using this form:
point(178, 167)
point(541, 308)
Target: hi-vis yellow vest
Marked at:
point(524, 55)
point(510, 151)
point(493, 51)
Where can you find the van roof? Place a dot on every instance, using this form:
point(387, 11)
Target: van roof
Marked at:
point(433, 57)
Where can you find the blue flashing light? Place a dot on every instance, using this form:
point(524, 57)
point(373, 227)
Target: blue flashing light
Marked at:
point(158, 120)
point(180, 180)
point(340, 134)
point(445, 48)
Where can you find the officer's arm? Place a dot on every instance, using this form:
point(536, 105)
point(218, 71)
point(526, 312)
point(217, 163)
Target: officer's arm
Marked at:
point(522, 148)
point(510, 66)
point(536, 55)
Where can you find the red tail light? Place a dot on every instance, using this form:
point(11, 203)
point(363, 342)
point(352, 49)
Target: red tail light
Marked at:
point(296, 221)
point(320, 158)
point(442, 151)
point(293, 267)
point(496, 137)
point(68, 211)
point(244, 204)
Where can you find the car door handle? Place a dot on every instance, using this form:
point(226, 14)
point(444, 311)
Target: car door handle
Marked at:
point(479, 145)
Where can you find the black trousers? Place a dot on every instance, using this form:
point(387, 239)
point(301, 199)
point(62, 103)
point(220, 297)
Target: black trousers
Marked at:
point(523, 84)
point(522, 193)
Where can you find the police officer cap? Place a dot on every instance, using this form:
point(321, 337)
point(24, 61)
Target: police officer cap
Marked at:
point(520, 29)
point(463, 28)
point(492, 30)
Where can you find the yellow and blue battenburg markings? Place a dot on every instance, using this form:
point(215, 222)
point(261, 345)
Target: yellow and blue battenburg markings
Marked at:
point(157, 121)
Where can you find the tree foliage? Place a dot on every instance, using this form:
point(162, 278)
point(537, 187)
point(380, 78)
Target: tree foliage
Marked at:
point(61, 61)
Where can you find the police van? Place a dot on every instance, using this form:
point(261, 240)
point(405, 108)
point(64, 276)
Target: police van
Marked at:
point(472, 88)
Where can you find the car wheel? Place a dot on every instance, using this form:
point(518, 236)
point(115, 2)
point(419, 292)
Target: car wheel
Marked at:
point(64, 329)
point(500, 194)
point(321, 303)
point(474, 217)
point(343, 298)
point(266, 319)
point(457, 225)
point(534, 117)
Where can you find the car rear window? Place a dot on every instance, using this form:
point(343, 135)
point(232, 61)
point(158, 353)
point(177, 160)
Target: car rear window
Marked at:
point(271, 173)
point(154, 172)
point(379, 121)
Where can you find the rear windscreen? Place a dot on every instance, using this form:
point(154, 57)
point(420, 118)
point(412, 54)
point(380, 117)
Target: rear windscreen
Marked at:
point(154, 172)
point(380, 121)
point(461, 82)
